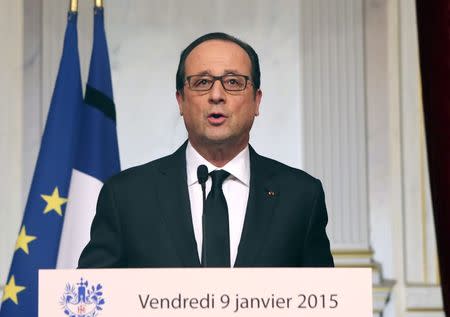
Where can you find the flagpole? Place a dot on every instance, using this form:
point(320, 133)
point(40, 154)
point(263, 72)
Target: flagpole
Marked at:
point(98, 3)
point(73, 6)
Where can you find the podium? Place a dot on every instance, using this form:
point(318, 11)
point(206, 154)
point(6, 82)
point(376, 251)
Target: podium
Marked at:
point(238, 292)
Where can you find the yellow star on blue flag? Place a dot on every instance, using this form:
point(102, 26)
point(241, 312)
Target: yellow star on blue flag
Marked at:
point(54, 202)
point(23, 239)
point(11, 291)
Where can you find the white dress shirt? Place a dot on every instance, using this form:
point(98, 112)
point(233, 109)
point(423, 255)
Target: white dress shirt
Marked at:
point(235, 189)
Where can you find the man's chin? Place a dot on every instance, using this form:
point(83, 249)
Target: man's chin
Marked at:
point(224, 140)
point(217, 141)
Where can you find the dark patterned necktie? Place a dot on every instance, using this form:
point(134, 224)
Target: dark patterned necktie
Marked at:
point(216, 241)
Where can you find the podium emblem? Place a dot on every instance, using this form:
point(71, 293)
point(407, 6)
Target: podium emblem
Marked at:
point(82, 300)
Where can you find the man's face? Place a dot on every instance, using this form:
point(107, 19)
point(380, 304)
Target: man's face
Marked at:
point(217, 116)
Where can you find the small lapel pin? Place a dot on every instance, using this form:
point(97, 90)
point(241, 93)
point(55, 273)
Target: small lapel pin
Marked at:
point(271, 194)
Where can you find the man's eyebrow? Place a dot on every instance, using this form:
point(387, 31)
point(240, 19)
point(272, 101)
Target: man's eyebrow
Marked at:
point(231, 71)
point(225, 72)
point(205, 72)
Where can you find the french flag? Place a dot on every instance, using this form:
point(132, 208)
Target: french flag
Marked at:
point(97, 153)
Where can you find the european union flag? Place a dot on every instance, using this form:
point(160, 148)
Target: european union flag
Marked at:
point(97, 156)
point(39, 235)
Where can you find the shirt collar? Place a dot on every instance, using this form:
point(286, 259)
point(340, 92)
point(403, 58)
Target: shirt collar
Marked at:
point(238, 167)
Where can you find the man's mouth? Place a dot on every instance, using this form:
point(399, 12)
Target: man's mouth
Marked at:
point(216, 118)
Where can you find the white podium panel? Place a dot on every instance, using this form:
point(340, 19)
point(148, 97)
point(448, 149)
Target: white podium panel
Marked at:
point(243, 292)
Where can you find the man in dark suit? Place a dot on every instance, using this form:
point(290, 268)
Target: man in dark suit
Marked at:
point(255, 212)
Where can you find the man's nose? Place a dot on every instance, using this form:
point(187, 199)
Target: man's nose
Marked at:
point(217, 93)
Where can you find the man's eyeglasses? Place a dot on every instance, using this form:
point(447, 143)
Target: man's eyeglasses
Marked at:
point(229, 82)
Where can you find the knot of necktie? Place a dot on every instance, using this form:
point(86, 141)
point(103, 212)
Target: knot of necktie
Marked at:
point(218, 177)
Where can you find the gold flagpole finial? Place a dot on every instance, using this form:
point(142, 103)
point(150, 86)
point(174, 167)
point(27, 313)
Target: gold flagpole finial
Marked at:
point(73, 6)
point(98, 3)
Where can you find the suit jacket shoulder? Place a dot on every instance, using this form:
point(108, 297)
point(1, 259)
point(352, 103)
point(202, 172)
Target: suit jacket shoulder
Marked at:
point(283, 170)
point(148, 171)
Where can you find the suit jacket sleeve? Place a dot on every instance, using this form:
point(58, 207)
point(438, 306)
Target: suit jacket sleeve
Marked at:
point(317, 246)
point(105, 248)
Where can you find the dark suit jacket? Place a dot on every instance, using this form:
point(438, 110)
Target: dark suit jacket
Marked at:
point(143, 218)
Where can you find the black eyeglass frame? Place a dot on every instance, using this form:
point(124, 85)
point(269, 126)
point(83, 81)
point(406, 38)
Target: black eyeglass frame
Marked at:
point(219, 78)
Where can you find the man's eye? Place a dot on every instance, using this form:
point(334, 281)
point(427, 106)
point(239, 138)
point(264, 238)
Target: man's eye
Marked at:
point(202, 82)
point(233, 81)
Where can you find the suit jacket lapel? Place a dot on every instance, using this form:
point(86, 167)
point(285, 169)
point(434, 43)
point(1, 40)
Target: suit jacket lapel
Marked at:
point(175, 206)
point(261, 202)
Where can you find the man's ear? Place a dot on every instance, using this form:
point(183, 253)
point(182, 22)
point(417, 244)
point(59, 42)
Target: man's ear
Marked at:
point(258, 96)
point(180, 100)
